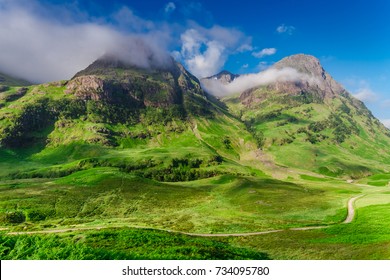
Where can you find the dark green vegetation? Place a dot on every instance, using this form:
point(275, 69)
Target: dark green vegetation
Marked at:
point(119, 147)
point(119, 244)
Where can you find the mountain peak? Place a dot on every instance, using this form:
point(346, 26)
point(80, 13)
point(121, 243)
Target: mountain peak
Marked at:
point(108, 62)
point(225, 77)
point(304, 63)
point(320, 80)
point(116, 81)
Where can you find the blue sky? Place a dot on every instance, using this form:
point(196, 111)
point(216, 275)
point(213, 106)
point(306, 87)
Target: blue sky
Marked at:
point(351, 38)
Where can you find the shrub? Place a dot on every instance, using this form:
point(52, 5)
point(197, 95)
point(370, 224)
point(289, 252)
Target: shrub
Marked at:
point(226, 141)
point(16, 217)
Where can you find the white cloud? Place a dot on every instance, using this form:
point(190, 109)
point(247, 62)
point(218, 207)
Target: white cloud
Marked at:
point(205, 51)
point(245, 66)
point(366, 94)
point(43, 49)
point(245, 82)
point(264, 52)
point(288, 29)
point(245, 48)
point(170, 7)
point(386, 122)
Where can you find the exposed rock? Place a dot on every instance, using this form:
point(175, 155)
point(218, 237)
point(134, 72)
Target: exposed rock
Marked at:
point(225, 77)
point(316, 79)
point(116, 82)
point(88, 87)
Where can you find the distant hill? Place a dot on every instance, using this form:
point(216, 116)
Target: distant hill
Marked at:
point(6, 80)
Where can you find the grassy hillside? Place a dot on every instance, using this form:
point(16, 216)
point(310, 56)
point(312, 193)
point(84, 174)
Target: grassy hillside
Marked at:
point(335, 137)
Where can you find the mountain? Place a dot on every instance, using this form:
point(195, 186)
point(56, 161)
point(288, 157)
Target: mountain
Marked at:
point(313, 123)
point(225, 77)
point(7, 80)
point(309, 123)
point(108, 91)
point(317, 81)
point(111, 105)
point(113, 81)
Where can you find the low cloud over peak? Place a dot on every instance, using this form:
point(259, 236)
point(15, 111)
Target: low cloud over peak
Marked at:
point(248, 81)
point(43, 49)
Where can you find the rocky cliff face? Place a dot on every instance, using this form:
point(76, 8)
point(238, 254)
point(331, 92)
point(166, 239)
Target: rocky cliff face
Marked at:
point(113, 81)
point(316, 78)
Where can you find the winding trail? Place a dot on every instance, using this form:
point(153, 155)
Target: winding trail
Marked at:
point(349, 219)
point(351, 209)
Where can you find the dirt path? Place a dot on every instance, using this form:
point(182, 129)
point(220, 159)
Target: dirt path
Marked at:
point(55, 230)
point(231, 234)
point(349, 219)
point(351, 209)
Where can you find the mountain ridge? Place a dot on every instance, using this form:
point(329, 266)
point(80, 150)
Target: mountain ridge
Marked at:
point(111, 103)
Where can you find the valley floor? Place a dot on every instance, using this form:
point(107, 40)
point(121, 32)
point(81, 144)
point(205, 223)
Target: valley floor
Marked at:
point(266, 218)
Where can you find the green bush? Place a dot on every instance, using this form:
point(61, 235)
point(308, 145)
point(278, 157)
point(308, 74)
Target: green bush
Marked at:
point(37, 215)
point(16, 217)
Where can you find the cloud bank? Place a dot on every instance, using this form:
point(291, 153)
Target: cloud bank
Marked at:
point(46, 43)
point(245, 82)
point(41, 49)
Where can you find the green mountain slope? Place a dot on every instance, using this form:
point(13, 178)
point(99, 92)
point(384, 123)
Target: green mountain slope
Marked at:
point(6, 80)
point(11, 88)
point(313, 123)
point(156, 122)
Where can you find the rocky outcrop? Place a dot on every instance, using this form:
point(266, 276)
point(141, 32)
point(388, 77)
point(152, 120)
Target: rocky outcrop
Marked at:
point(314, 79)
point(88, 88)
point(116, 82)
point(224, 77)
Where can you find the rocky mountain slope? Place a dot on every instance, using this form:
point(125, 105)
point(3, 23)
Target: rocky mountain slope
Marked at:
point(160, 116)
